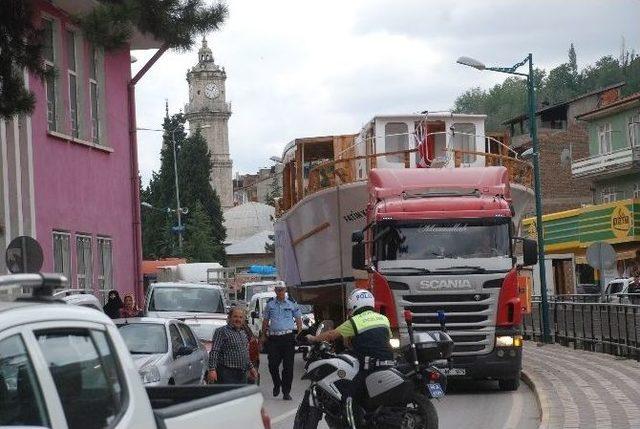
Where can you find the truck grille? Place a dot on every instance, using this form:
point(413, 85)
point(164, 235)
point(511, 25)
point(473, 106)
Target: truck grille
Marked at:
point(470, 317)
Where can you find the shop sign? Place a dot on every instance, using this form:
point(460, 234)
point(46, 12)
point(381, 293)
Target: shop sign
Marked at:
point(621, 221)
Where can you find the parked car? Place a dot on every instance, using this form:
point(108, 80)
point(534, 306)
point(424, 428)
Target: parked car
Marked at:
point(256, 309)
point(68, 366)
point(165, 351)
point(185, 301)
point(80, 297)
point(204, 327)
point(617, 290)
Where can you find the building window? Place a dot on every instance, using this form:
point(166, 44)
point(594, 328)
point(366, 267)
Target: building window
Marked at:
point(105, 266)
point(73, 81)
point(636, 190)
point(608, 194)
point(85, 260)
point(48, 53)
point(464, 139)
point(396, 139)
point(62, 253)
point(604, 138)
point(93, 95)
point(634, 131)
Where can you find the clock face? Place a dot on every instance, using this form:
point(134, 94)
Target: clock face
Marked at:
point(211, 90)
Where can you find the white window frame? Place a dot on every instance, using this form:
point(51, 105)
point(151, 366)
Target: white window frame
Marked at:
point(634, 130)
point(62, 266)
point(604, 138)
point(49, 63)
point(71, 51)
point(608, 194)
point(400, 141)
point(84, 260)
point(105, 263)
point(94, 95)
point(462, 140)
point(636, 190)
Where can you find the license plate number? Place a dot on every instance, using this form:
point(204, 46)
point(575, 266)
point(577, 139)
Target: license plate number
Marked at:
point(454, 371)
point(435, 390)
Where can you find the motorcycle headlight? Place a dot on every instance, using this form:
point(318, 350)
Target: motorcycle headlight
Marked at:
point(150, 374)
point(395, 343)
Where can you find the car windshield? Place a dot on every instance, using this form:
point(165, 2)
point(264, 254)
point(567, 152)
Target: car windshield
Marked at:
point(186, 299)
point(144, 338)
point(439, 240)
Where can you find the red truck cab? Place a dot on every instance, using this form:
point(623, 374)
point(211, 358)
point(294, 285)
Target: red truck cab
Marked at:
point(443, 239)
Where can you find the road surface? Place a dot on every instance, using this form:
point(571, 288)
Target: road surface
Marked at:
point(476, 405)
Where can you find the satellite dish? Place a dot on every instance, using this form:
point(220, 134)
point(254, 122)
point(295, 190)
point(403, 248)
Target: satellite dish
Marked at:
point(527, 154)
point(565, 157)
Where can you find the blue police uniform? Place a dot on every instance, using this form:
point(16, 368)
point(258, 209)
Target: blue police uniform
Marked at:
point(282, 341)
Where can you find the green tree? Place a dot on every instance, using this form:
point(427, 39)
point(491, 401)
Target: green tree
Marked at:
point(573, 60)
point(199, 245)
point(275, 191)
point(21, 46)
point(194, 165)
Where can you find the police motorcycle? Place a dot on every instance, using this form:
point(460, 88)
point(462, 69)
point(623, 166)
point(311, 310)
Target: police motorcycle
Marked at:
point(395, 394)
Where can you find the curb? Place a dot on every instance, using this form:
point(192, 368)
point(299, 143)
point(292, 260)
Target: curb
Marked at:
point(529, 382)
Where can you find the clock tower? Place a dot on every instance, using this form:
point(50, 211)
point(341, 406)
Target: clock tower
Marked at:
point(208, 110)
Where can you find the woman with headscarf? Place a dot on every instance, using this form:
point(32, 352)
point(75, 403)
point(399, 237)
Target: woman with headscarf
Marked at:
point(129, 309)
point(113, 305)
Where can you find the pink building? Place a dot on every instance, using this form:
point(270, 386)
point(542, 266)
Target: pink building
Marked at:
point(68, 173)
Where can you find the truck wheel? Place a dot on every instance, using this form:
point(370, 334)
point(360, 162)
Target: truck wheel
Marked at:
point(509, 384)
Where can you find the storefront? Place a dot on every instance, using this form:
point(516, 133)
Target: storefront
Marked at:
point(570, 232)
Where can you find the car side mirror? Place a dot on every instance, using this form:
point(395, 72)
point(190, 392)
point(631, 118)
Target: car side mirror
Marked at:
point(183, 351)
point(529, 252)
point(357, 251)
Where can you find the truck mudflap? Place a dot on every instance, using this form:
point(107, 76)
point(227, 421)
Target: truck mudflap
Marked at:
point(501, 364)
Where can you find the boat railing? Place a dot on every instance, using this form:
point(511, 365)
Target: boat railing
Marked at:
point(344, 170)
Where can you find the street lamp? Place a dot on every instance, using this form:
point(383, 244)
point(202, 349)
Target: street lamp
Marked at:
point(179, 210)
point(533, 129)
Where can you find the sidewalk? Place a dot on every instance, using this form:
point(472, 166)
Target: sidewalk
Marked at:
point(580, 389)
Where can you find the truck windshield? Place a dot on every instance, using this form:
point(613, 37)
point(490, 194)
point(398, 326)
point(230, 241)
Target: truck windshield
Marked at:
point(144, 338)
point(439, 240)
point(186, 299)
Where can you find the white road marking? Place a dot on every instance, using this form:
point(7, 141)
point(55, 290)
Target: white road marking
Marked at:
point(517, 407)
point(284, 416)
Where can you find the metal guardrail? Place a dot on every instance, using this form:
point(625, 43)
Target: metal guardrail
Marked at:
point(584, 322)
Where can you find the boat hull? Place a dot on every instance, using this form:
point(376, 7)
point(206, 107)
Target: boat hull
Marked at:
point(313, 239)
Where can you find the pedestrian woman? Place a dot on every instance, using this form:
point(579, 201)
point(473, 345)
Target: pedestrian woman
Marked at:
point(229, 360)
point(129, 309)
point(113, 305)
point(254, 353)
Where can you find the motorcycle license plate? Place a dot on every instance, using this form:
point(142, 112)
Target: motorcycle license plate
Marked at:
point(435, 390)
point(454, 371)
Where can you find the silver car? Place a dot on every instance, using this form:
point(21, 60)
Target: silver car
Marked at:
point(165, 351)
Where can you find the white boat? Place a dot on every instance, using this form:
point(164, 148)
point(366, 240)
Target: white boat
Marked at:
point(325, 189)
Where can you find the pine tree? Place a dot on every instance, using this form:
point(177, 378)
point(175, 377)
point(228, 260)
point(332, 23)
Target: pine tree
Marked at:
point(199, 245)
point(21, 46)
point(195, 166)
point(275, 191)
point(573, 60)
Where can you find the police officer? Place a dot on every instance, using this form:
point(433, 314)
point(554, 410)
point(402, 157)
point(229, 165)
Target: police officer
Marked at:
point(281, 319)
point(367, 331)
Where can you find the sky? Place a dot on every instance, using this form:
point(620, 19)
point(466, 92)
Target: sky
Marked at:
point(301, 68)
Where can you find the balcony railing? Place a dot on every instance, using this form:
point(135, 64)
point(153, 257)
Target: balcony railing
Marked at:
point(618, 160)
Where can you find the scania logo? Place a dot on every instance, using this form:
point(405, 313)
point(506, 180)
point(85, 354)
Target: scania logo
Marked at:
point(446, 284)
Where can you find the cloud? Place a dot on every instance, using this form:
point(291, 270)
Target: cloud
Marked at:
point(297, 68)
